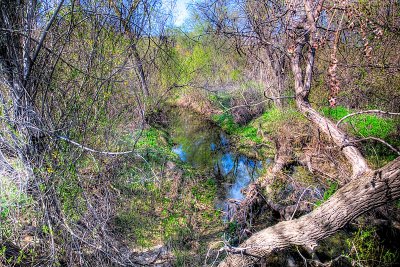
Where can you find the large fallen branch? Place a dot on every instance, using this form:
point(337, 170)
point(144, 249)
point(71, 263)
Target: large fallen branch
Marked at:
point(339, 137)
point(367, 189)
point(371, 190)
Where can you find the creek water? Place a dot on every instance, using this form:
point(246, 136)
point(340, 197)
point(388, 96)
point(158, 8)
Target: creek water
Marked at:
point(205, 146)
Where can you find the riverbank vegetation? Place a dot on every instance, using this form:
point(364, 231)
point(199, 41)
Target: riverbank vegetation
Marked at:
point(257, 133)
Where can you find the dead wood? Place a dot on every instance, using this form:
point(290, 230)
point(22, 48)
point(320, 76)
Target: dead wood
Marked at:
point(367, 189)
point(371, 190)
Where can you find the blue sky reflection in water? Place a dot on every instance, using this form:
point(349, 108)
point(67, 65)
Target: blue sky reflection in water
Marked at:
point(205, 146)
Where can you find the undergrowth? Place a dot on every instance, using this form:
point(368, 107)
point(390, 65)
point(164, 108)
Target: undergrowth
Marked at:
point(363, 125)
point(165, 201)
point(245, 133)
point(366, 249)
point(274, 119)
point(369, 125)
point(333, 187)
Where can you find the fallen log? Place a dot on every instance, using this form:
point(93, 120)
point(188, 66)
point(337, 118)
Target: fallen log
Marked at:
point(370, 191)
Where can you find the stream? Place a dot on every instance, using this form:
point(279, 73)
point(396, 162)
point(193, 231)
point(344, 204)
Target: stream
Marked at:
point(205, 146)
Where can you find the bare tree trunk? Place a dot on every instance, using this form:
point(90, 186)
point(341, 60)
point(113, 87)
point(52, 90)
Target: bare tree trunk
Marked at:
point(371, 190)
point(366, 190)
point(277, 65)
point(140, 70)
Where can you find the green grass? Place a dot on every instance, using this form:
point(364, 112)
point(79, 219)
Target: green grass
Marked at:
point(245, 133)
point(369, 125)
point(274, 119)
point(364, 124)
point(13, 201)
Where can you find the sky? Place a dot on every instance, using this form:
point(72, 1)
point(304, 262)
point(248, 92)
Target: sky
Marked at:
point(179, 10)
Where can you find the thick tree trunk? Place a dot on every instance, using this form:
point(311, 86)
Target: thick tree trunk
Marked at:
point(373, 189)
point(366, 190)
point(340, 138)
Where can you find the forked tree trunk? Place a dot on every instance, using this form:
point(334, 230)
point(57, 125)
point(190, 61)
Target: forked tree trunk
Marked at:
point(366, 190)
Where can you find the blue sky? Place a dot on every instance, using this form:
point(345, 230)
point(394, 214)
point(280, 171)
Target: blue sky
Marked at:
point(179, 10)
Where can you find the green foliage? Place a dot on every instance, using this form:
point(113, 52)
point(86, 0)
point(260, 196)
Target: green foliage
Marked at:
point(302, 174)
point(364, 125)
point(195, 63)
point(236, 75)
point(172, 65)
point(221, 99)
point(333, 187)
point(13, 201)
point(226, 122)
point(152, 144)
point(231, 232)
point(366, 249)
point(274, 119)
point(251, 133)
point(71, 196)
point(205, 192)
point(398, 204)
point(370, 125)
point(64, 176)
point(149, 138)
point(244, 133)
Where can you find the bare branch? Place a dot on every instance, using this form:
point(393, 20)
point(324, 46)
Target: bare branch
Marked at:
point(379, 140)
point(43, 37)
point(94, 150)
point(365, 112)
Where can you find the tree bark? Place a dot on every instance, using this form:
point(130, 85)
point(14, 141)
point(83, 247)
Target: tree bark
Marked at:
point(140, 70)
point(366, 190)
point(371, 190)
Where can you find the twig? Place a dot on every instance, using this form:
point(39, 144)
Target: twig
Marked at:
point(43, 36)
point(298, 202)
point(364, 112)
point(247, 105)
point(376, 139)
point(279, 97)
point(301, 255)
point(94, 150)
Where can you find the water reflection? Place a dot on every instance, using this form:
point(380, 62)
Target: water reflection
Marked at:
point(205, 146)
